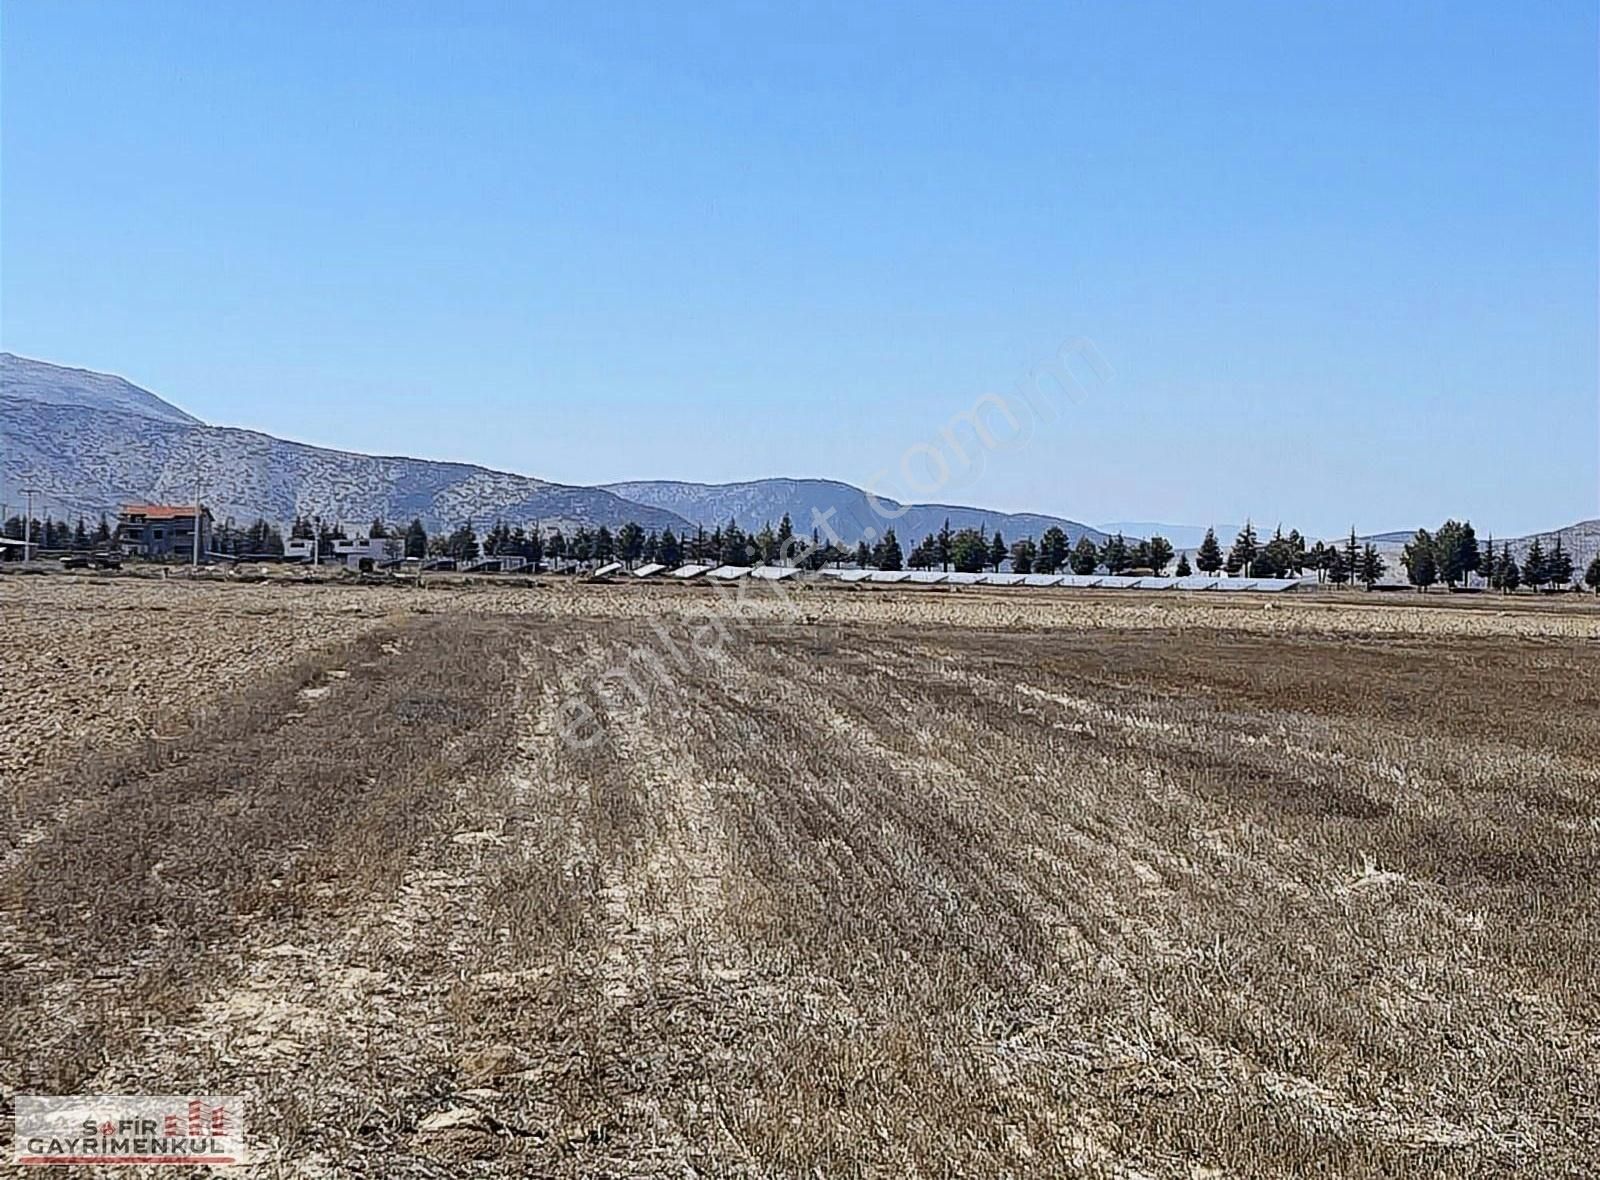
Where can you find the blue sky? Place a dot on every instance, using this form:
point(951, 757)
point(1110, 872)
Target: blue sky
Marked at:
point(1340, 259)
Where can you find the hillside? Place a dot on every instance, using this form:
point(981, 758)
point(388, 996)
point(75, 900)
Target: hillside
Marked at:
point(761, 501)
point(91, 442)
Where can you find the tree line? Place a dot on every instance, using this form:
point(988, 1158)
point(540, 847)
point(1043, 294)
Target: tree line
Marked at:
point(1449, 555)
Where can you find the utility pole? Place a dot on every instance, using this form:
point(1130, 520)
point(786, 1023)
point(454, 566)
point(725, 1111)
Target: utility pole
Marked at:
point(27, 525)
point(196, 561)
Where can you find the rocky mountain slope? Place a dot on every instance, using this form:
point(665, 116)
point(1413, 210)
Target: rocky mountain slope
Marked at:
point(91, 443)
point(847, 509)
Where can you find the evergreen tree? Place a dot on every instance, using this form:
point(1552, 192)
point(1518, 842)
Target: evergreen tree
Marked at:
point(80, 535)
point(1160, 553)
point(377, 531)
point(416, 538)
point(1317, 560)
point(886, 554)
point(1183, 570)
point(102, 534)
point(668, 551)
point(1114, 554)
point(969, 551)
point(735, 548)
point(1352, 554)
point(1023, 554)
point(1591, 577)
point(1208, 558)
point(997, 551)
point(945, 544)
point(1338, 572)
point(1456, 552)
point(605, 545)
point(785, 538)
point(1558, 566)
point(1372, 567)
point(630, 544)
point(1245, 547)
point(765, 544)
point(863, 555)
point(463, 543)
point(1507, 575)
point(1533, 566)
point(1054, 548)
point(1420, 559)
point(1297, 548)
point(1085, 557)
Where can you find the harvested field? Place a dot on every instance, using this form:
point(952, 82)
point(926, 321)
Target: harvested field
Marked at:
point(861, 884)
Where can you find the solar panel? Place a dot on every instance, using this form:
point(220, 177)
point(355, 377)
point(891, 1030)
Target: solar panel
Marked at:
point(1155, 583)
point(729, 573)
point(774, 573)
point(1277, 585)
point(610, 567)
point(1041, 579)
point(855, 575)
point(1118, 582)
point(888, 575)
point(690, 571)
point(1233, 584)
point(926, 577)
point(648, 571)
point(1082, 581)
point(1196, 582)
point(958, 578)
point(1002, 579)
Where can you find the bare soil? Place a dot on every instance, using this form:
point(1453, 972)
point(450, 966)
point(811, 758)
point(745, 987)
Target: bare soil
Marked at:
point(835, 884)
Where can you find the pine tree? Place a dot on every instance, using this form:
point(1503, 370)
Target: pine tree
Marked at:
point(886, 554)
point(1160, 553)
point(1208, 558)
point(1373, 567)
point(630, 543)
point(1420, 560)
point(1558, 566)
point(1352, 554)
point(969, 551)
point(1533, 566)
point(1023, 553)
point(945, 544)
point(1245, 548)
point(1114, 554)
point(863, 555)
point(416, 538)
point(1085, 557)
point(668, 551)
point(1506, 572)
point(102, 534)
point(1053, 548)
point(997, 551)
point(1338, 572)
point(1183, 570)
point(1591, 577)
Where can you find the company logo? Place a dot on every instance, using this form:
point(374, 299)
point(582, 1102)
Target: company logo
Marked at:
point(129, 1129)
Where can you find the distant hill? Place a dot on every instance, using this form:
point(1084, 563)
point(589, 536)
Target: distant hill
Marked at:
point(91, 442)
point(763, 501)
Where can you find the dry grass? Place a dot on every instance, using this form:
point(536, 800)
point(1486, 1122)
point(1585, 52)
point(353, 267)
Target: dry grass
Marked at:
point(1262, 891)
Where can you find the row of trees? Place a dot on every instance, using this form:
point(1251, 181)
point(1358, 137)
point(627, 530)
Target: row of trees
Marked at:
point(1452, 555)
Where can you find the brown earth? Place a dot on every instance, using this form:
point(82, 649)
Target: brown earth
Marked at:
point(610, 881)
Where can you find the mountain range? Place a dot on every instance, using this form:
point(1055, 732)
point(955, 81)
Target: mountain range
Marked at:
point(90, 442)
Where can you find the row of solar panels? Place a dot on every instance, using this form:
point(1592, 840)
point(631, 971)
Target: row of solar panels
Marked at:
point(778, 573)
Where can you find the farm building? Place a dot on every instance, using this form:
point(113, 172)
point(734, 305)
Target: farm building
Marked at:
point(161, 530)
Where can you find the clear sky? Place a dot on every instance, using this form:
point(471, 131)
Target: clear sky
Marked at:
point(1340, 259)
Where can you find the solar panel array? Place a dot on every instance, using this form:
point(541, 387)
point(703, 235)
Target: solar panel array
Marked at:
point(778, 573)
